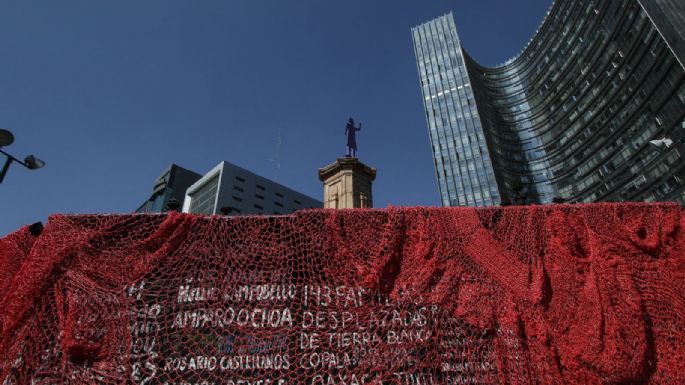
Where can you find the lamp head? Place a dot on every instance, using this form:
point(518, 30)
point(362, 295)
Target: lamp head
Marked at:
point(33, 163)
point(6, 138)
point(667, 142)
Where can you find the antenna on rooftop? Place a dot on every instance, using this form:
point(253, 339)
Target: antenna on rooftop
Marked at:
point(276, 160)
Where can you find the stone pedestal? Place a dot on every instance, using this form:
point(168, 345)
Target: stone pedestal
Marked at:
point(347, 184)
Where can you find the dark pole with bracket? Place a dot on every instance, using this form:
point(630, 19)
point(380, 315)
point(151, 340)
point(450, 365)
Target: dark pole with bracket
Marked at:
point(30, 162)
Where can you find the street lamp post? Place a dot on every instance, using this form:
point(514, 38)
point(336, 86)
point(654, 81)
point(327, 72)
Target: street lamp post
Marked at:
point(30, 162)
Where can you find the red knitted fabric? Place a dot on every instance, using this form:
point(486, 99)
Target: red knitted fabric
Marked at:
point(13, 249)
point(560, 294)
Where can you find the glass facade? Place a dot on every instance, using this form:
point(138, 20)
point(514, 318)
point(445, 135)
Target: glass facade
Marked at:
point(172, 184)
point(204, 199)
point(462, 161)
point(669, 19)
point(571, 116)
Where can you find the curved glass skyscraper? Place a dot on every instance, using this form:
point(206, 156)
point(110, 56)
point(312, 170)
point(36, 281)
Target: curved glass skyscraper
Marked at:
point(572, 116)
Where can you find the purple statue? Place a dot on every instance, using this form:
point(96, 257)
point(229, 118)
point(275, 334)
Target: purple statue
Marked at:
point(351, 130)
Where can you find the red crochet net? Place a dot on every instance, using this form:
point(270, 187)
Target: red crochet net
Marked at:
point(562, 294)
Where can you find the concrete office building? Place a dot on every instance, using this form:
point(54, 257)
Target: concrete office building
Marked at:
point(242, 192)
point(571, 116)
point(172, 184)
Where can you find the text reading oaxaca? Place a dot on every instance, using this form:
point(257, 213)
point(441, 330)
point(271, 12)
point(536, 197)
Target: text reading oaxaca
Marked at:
point(559, 294)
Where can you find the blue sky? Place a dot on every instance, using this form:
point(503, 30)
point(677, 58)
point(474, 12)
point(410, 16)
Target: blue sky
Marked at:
point(109, 93)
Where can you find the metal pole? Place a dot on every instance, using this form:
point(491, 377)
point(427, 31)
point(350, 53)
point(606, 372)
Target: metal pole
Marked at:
point(9, 161)
point(5, 167)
